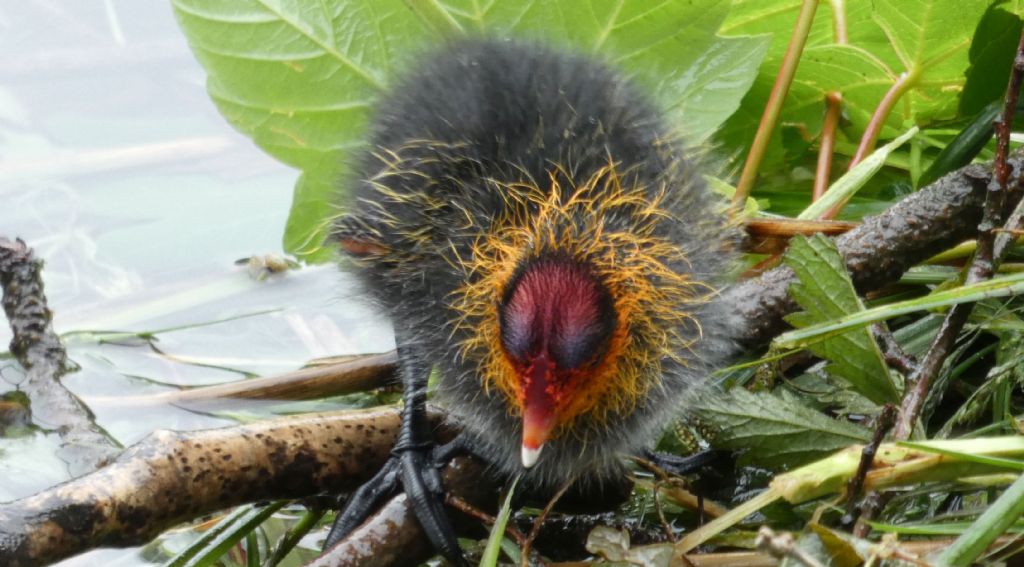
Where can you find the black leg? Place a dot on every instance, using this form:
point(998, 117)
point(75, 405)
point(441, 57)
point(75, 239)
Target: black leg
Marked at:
point(680, 466)
point(413, 465)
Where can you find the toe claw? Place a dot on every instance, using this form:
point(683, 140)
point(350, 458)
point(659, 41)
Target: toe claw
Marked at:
point(427, 499)
point(412, 470)
point(363, 502)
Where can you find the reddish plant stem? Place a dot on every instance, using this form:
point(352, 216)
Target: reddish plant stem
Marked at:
point(833, 111)
point(870, 137)
point(833, 108)
point(982, 266)
point(986, 261)
point(540, 520)
point(774, 105)
point(468, 509)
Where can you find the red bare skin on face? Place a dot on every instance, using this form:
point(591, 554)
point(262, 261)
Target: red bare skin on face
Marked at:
point(555, 322)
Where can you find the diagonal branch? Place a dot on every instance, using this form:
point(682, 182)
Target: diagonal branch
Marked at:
point(983, 265)
point(878, 251)
point(39, 350)
point(171, 477)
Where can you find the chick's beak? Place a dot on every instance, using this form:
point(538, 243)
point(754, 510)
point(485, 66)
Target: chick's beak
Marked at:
point(538, 413)
point(537, 425)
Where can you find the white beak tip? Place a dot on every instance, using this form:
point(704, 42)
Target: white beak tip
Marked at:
point(530, 456)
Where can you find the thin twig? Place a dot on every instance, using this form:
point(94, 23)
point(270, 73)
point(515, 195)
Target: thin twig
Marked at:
point(773, 107)
point(982, 267)
point(892, 352)
point(468, 509)
point(886, 419)
point(919, 383)
point(669, 533)
point(540, 520)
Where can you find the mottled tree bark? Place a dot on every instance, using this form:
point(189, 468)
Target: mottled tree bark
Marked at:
point(171, 477)
point(880, 250)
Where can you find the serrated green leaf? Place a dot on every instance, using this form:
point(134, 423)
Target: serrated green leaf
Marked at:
point(774, 429)
point(825, 292)
point(300, 78)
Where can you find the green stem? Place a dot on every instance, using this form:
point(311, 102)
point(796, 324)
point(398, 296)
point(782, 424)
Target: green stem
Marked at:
point(774, 106)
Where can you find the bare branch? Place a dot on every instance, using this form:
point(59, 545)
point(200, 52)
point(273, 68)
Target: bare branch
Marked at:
point(173, 477)
point(880, 249)
point(40, 352)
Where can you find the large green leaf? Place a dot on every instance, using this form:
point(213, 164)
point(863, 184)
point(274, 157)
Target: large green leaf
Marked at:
point(825, 292)
point(991, 56)
point(301, 77)
point(931, 39)
point(774, 429)
point(926, 39)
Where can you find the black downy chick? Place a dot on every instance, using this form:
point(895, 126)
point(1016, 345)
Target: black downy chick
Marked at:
point(535, 231)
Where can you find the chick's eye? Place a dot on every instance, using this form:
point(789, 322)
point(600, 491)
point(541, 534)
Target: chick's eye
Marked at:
point(518, 335)
point(575, 346)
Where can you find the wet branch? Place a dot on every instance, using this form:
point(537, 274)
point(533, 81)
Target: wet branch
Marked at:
point(881, 249)
point(39, 350)
point(988, 255)
point(172, 477)
point(983, 265)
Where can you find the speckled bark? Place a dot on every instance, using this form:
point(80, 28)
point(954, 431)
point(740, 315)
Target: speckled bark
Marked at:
point(173, 477)
point(881, 249)
point(40, 352)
